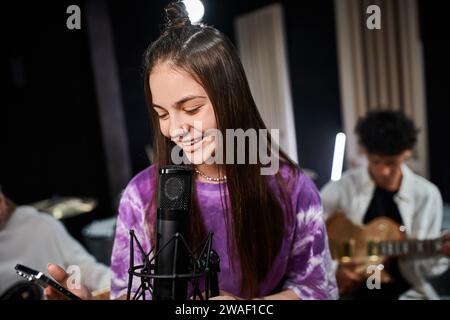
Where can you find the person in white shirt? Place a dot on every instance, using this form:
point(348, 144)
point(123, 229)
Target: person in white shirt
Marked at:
point(33, 239)
point(385, 186)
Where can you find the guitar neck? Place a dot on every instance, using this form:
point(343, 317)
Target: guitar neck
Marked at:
point(407, 247)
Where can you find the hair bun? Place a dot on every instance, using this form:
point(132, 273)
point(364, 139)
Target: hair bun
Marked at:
point(176, 16)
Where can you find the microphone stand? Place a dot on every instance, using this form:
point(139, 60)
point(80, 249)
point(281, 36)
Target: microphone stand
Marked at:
point(203, 262)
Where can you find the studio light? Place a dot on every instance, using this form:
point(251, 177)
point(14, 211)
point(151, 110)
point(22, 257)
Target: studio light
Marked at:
point(338, 157)
point(195, 9)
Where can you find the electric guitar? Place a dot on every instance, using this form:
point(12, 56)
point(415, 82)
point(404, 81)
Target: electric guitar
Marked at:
point(375, 243)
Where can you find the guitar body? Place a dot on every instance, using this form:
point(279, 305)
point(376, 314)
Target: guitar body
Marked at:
point(350, 242)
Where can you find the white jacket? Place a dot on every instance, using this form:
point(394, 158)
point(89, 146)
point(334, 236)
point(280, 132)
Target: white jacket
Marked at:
point(420, 205)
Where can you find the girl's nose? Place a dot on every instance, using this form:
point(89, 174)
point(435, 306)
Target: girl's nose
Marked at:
point(178, 132)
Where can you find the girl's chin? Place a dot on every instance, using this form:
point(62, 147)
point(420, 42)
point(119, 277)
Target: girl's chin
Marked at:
point(197, 158)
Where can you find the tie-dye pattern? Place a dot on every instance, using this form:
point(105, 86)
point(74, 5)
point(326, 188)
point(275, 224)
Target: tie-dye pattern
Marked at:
point(302, 265)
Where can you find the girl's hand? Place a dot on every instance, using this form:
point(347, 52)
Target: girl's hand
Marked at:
point(223, 295)
point(61, 277)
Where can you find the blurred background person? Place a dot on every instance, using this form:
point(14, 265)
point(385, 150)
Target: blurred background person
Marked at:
point(33, 239)
point(386, 187)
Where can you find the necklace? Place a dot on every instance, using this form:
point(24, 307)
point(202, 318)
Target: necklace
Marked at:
point(224, 178)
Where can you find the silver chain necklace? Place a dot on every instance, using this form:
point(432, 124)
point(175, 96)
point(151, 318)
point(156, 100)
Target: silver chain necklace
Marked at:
point(224, 178)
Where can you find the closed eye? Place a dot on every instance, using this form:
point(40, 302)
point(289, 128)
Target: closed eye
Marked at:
point(163, 116)
point(193, 110)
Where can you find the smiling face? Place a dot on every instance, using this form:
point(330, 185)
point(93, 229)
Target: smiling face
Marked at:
point(184, 110)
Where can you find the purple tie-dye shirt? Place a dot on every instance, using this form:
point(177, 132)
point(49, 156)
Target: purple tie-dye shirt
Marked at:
point(302, 265)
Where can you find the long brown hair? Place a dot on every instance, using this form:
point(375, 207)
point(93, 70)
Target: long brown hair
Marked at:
point(257, 221)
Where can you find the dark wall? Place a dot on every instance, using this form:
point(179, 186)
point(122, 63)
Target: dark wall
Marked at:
point(312, 59)
point(135, 25)
point(50, 135)
point(313, 62)
point(434, 32)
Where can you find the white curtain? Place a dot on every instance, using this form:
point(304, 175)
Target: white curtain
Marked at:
point(262, 48)
point(381, 68)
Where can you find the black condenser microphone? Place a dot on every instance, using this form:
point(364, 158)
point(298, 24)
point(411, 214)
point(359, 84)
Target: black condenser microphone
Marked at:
point(173, 217)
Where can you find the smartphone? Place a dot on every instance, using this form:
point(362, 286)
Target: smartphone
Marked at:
point(42, 280)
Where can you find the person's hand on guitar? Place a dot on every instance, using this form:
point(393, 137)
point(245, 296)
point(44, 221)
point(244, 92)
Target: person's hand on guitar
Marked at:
point(61, 277)
point(446, 243)
point(347, 278)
